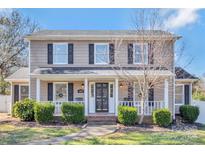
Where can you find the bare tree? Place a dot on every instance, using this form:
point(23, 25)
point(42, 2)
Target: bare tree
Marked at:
point(152, 47)
point(13, 49)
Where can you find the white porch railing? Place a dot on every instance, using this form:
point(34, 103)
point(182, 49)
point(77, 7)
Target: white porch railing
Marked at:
point(149, 106)
point(58, 105)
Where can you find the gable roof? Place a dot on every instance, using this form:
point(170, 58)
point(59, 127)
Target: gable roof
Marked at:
point(80, 34)
point(21, 75)
point(183, 74)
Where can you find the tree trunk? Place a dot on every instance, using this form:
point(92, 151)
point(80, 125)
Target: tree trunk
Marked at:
point(142, 112)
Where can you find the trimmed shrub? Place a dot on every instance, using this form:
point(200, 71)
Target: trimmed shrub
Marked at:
point(73, 112)
point(162, 117)
point(127, 115)
point(13, 111)
point(43, 112)
point(24, 109)
point(189, 113)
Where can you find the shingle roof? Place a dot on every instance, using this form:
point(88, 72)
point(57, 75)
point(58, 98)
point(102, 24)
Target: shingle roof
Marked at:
point(20, 74)
point(98, 33)
point(183, 74)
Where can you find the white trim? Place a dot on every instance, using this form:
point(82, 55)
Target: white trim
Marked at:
point(190, 93)
point(116, 95)
point(108, 60)
point(38, 89)
point(141, 45)
point(182, 94)
point(17, 80)
point(22, 84)
point(54, 89)
point(166, 93)
point(60, 43)
point(86, 96)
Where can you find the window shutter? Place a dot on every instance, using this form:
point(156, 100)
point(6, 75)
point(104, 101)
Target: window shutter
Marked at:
point(186, 94)
point(70, 53)
point(91, 53)
point(150, 54)
point(151, 96)
point(50, 53)
point(130, 53)
point(130, 92)
point(70, 91)
point(111, 53)
point(16, 93)
point(50, 91)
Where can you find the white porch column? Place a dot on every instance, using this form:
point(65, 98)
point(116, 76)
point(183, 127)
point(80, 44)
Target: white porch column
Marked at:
point(190, 94)
point(86, 96)
point(166, 93)
point(38, 89)
point(12, 100)
point(116, 96)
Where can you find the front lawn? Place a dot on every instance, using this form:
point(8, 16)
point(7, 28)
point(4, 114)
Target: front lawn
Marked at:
point(20, 134)
point(138, 137)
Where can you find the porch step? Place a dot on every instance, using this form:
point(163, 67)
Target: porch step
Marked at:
point(101, 119)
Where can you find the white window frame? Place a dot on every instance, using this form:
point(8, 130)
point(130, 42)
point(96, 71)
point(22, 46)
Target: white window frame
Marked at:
point(60, 43)
point(182, 94)
point(108, 61)
point(54, 89)
point(20, 85)
point(134, 54)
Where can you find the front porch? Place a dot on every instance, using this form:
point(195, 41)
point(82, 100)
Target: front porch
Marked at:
point(100, 96)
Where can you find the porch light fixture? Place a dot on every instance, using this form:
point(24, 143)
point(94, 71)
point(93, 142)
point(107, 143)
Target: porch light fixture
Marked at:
point(121, 85)
point(82, 85)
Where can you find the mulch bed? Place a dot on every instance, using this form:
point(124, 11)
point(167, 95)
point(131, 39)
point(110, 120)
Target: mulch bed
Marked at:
point(179, 125)
point(6, 119)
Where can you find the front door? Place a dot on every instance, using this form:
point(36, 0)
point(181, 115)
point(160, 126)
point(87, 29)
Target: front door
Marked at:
point(101, 97)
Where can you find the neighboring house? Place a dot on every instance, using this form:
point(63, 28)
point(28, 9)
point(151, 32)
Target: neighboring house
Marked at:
point(77, 66)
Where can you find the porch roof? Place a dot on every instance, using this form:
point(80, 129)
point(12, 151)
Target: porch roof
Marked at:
point(92, 72)
point(21, 75)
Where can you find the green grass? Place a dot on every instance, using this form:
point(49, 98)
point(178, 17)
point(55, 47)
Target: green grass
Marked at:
point(11, 134)
point(147, 138)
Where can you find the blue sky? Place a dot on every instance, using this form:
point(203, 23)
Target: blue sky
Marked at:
point(189, 23)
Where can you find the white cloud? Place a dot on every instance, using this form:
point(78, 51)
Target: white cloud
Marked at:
point(180, 17)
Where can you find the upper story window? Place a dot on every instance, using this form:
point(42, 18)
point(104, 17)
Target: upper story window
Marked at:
point(60, 53)
point(140, 53)
point(101, 53)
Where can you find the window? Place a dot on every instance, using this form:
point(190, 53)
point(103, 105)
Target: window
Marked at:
point(60, 92)
point(60, 53)
point(92, 90)
point(111, 90)
point(140, 53)
point(23, 92)
point(179, 94)
point(101, 53)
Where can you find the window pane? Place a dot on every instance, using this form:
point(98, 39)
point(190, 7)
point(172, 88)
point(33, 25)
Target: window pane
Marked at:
point(61, 92)
point(92, 90)
point(101, 56)
point(138, 54)
point(101, 59)
point(179, 95)
point(111, 90)
point(101, 49)
point(60, 54)
point(24, 92)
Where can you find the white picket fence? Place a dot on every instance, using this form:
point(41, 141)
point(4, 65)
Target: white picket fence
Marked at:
point(5, 101)
point(201, 105)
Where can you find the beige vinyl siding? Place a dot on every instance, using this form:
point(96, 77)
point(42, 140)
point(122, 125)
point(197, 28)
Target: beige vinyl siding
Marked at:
point(81, 54)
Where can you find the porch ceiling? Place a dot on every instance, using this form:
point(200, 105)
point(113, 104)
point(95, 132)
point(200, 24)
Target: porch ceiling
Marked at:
point(91, 73)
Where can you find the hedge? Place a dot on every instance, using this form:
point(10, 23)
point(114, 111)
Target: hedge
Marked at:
point(24, 109)
point(43, 112)
point(189, 113)
point(162, 117)
point(127, 115)
point(73, 112)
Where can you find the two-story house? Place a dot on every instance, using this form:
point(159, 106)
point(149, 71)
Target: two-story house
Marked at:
point(79, 66)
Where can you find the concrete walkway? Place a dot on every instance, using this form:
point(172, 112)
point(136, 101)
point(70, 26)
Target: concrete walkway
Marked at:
point(87, 132)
